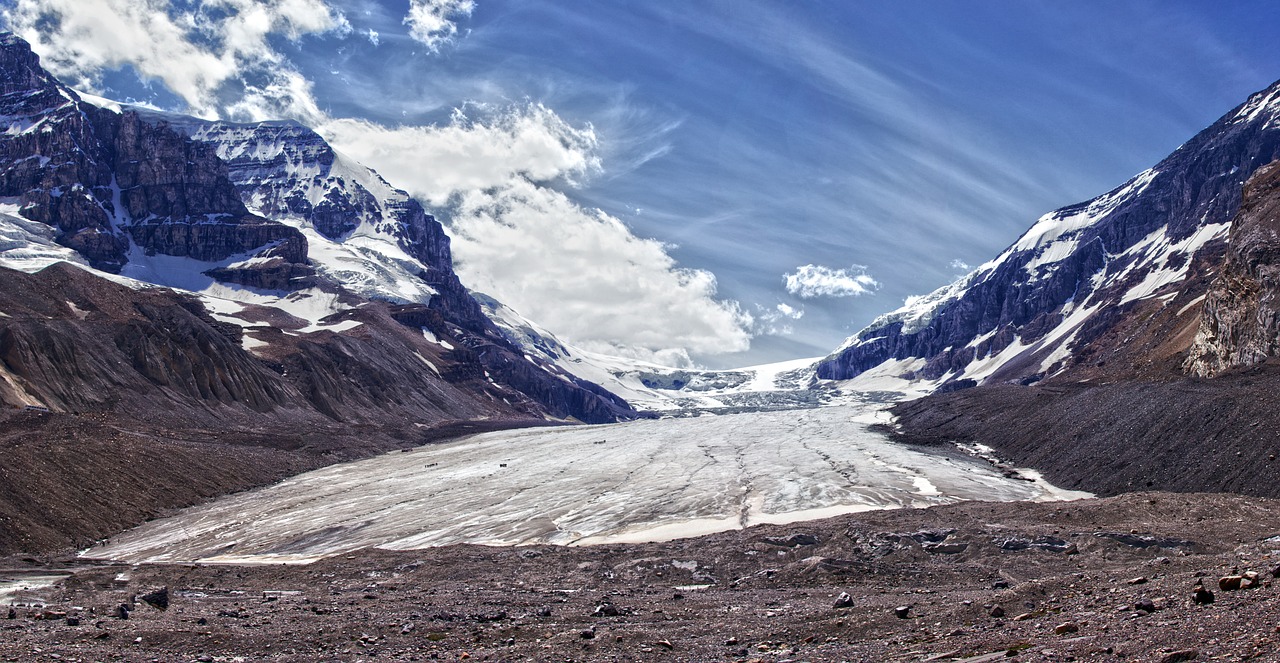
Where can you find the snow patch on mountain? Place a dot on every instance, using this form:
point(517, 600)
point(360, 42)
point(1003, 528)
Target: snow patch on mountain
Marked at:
point(1158, 251)
point(28, 246)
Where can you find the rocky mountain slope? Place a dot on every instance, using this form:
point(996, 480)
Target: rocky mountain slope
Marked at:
point(1054, 299)
point(1171, 393)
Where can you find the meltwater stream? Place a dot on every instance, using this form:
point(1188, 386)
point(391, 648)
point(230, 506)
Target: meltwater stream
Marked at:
point(640, 481)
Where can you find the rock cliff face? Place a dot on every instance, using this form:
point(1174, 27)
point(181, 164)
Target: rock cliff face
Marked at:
point(1240, 323)
point(108, 181)
point(1029, 313)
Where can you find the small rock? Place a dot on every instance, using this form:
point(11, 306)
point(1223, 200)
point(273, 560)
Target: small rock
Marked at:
point(544, 611)
point(205, 658)
point(945, 547)
point(406, 628)
point(1065, 628)
point(843, 601)
point(606, 610)
point(1275, 571)
point(73, 621)
point(158, 599)
point(1000, 584)
point(996, 612)
point(587, 634)
point(1201, 596)
point(792, 541)
point(122, 611)
point(1180, 656)
point(202, 621)
point(13, 614)
point(1140, 580)
point(1230, 583)
point(1252, 580)
point(1146, 605)
point(1023, 617)
point(665, 644)
point(731, 642)
point(902, 611)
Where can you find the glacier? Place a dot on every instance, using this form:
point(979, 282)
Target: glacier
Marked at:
point(649, 480)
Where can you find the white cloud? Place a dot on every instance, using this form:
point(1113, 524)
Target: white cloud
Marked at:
point(373, 36)
point(789, 311)
point(432, 22)
point(776, 321)
point(961, 266)
point(577, 271)
point(435, 162)
point(195, 55)
point(809, 281)
point(583, 274)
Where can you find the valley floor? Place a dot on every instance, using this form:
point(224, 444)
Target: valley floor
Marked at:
point(1100, 579)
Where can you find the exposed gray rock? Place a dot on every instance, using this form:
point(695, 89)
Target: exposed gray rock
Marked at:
point(1240, 321)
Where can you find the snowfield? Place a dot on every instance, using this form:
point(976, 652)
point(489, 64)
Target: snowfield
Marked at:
point(640, 481)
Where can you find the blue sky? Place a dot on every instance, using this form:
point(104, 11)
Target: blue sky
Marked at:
point(731, 182)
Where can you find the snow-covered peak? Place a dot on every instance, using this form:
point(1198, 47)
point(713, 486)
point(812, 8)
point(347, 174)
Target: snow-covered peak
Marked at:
point(1264, 103)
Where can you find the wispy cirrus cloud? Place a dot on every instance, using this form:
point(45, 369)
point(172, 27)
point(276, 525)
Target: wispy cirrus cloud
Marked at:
point(810, 281)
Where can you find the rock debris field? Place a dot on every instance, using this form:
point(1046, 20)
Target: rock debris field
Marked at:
point(1117, 579)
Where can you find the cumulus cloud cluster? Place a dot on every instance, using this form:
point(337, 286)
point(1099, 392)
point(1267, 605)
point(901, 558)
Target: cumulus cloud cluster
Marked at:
point(499, 173)
point(809, 281)
point(479, 148)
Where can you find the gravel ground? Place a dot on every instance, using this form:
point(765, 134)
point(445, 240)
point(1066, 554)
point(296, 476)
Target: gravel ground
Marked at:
point(1106, 579)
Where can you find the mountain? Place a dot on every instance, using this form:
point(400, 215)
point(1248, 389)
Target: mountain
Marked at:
point(292, 249)
point(1128, 343)
point(1135, 259)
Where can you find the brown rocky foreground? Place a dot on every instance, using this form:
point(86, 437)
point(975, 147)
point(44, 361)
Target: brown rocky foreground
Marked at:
point(1107, 579)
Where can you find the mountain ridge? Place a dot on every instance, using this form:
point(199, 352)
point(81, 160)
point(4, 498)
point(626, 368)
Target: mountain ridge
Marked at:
point(1033, 311)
